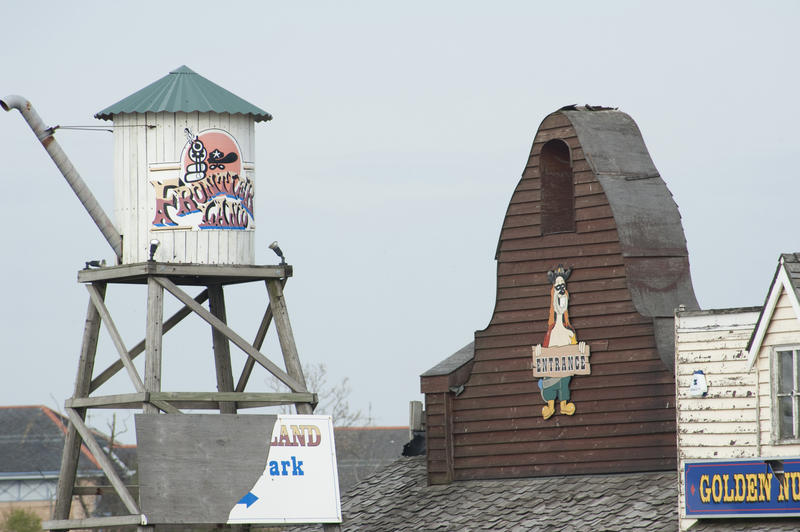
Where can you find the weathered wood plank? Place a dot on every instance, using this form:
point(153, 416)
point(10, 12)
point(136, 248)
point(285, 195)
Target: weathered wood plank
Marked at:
point(717, 440)
point(721, 403)
point(627, 436)
point(222, 351)
point(641, 398)
point(592, 414)
point(286, 339)
point(542, 301)
point(604, 325)
point(284, 397)
point(199, 399)
point(719, 427)
point(629, 465)
point(103, 490)
point(551, 253)
point(595, 287)
point(152, 363)
point(582, 308)
point(716, 453)
point(688, 417)
point(72, 441)
point(568, 457)
point(602, 269)
point(138, 272)
point(94, 522)
point(125, 400)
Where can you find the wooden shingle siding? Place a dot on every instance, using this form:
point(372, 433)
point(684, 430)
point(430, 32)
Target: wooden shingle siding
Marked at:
point(625, 418)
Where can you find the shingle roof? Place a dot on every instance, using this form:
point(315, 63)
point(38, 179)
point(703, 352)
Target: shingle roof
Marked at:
point(399, 498)
point(787, 276)
point(453, 362)
point(187, 91)
point(361, 451)
point(31, 442)
point(791, 262)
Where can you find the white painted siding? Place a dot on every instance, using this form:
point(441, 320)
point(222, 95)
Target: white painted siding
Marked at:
point(143, 154)
point(735, 420)
point(783, 330)
point(723, 423)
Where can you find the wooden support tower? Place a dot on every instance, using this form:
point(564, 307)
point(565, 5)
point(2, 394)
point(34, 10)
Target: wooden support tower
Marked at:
point(147, 393)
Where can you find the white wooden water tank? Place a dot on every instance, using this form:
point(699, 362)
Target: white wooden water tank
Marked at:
point(184, 171)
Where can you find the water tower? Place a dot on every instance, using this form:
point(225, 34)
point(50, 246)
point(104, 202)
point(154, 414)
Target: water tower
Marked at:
point(184, 187)
point(184, 171)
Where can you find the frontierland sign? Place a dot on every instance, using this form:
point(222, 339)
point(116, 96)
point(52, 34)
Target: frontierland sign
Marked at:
point(560, 356)
point(742, 488)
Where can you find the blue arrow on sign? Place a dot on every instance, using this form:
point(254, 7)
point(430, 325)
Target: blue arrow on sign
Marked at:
point(248, 499)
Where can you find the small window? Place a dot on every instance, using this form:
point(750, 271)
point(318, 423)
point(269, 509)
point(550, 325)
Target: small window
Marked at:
point(558, 192)
point(786, 397)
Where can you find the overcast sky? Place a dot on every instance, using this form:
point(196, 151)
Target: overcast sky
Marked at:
point(401, 130)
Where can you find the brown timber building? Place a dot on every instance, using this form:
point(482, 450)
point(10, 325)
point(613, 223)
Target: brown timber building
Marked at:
point(590, 199)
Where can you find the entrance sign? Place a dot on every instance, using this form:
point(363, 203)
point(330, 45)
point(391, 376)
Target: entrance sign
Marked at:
point(560, 356)
point(561, 361)
point(743, 488)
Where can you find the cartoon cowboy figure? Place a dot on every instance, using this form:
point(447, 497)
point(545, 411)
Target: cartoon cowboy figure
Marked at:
point(559, 333)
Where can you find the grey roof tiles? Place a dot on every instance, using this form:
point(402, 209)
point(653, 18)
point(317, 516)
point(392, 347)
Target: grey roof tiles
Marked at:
point(399, 498)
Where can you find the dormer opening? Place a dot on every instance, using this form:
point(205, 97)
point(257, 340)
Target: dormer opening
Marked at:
point(558, 190)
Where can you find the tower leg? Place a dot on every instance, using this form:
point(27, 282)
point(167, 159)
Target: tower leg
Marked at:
point(222, 348)
point(152, 341)
point(286, 338)
point(73, 441)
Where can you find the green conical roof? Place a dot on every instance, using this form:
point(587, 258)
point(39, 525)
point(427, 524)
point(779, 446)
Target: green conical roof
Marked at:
point(183, 90)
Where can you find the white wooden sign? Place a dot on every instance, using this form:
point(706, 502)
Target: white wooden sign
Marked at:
point(300, 483)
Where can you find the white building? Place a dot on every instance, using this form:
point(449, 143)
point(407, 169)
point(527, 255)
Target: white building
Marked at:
point(738, 411)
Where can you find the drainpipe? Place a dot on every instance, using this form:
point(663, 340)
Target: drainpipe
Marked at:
point(45, 136)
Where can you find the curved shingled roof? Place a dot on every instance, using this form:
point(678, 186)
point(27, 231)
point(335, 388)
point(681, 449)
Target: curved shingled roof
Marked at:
point(186, 91)
point(647, 218)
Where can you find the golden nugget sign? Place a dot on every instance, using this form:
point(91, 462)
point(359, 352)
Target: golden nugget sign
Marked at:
point(560, 356)
point(742, 488)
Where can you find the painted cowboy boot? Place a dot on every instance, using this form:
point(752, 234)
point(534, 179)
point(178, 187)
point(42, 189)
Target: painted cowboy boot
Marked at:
point(549, 409)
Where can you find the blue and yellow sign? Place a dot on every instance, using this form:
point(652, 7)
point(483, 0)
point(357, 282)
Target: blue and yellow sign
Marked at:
point(742, 488)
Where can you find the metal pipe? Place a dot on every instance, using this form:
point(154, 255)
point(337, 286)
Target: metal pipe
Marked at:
point(78, 185)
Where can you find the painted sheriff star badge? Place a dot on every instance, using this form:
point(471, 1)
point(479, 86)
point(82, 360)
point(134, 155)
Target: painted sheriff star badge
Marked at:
point(560, 356)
